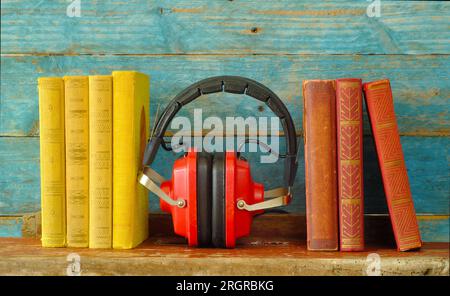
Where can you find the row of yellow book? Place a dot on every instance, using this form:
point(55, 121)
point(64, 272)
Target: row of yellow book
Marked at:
point(92, 137)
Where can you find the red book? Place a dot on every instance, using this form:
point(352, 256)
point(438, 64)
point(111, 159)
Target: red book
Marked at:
point(380, 107)
point(349, 123)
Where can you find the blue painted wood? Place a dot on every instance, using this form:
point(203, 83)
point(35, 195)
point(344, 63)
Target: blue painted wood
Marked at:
point(19, 176)
point(420, 84)
point(10, 226)
point(434, 229)
point(425, 160)
point(236, 27)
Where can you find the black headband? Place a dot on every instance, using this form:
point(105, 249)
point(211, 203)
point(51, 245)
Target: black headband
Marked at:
point(236, 85)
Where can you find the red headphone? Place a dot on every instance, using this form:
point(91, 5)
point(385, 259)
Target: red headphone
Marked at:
point(211, 196)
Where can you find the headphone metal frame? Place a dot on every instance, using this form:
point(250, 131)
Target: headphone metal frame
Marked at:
point(151, 180)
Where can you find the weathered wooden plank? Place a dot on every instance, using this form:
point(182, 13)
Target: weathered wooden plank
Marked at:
point(22, 225)
point(228, 27)
point(420, 84)
point(425, 160)
point(434, 228)
point(286, 257)
point(11, 226)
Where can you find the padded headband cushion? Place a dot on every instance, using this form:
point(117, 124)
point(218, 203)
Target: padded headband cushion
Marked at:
point(218, 200)
point(204, 190)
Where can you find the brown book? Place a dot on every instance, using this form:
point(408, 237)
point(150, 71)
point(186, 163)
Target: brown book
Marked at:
point(319, 124)
point(380, 106)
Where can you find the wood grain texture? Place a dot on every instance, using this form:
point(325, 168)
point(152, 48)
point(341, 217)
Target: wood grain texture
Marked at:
point(262, 257)
point(420, 84)
point(227, 27)
point(22, 225)
point(11, 226)
point(19, 175)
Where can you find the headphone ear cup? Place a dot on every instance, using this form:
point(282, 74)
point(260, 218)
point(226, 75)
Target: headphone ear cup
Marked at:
point(204, 203)
point(218, 200)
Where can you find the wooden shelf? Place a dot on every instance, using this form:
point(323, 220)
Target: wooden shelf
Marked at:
point(258, 257)
point(276, 247)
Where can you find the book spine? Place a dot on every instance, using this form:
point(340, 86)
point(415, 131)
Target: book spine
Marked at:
point(319, 122)
point(349, 124)
point(100, 161)
point(52, 161)
point(77, 159)
point(130, 123)
point(380, 106)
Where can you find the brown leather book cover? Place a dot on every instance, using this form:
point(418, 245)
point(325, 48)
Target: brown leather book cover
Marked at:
point(349, 123)
point(380, 107)
point(319, 124)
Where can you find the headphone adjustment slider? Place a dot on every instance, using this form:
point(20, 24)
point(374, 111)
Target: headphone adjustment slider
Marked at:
point(151, 180)
point(278, 197)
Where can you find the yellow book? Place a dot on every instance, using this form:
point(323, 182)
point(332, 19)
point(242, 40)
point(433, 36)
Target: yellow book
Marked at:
point(77, 159)
point(53, 182)
point(100, 161)
point(130, 123)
